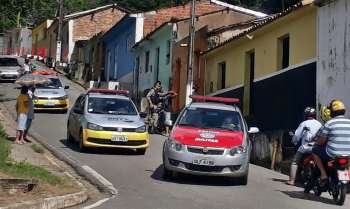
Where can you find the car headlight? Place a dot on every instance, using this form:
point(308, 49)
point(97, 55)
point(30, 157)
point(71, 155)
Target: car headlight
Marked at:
point(175, 145)
point(238, 150)
point(141, 129)
point(62, 98)
point(94, 127)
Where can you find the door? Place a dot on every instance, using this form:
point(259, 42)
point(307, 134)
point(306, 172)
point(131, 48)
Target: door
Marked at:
point(74, 117)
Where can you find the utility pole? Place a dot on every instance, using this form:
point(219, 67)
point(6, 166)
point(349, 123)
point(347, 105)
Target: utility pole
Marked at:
point(59, 33)
point(192, 30)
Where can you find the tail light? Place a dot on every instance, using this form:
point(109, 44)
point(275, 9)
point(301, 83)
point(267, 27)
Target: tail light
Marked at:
point(343, 161)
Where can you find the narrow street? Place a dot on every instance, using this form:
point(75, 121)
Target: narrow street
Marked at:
point(140, 185)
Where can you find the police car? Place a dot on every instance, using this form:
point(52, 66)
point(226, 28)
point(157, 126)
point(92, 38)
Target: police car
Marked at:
point(210, 137)
point(107, 118)
point(51, 97)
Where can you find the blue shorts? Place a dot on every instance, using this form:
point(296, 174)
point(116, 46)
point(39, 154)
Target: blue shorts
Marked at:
point(320, 151)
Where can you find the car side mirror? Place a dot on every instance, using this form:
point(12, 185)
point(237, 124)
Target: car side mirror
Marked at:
point(143, 114)
point(66, 87)
point(253, 130)
point(78, 111)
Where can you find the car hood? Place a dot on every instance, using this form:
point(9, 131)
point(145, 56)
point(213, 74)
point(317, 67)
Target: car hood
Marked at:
point(49, 93)
point(121, 121)
point(8, 68)
point(207, 138)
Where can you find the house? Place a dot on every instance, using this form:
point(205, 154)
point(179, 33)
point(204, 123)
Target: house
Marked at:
point(40, 39)
point(119, 63)
point(79, 27)
point(270, 67)
point(333, 54)
point(18, 41)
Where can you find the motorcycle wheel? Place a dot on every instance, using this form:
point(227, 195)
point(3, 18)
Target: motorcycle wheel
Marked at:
point(340, 194)
point(317, 190)
point(308, 185)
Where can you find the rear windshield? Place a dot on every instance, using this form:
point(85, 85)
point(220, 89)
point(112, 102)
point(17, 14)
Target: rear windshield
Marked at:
point(113, 106)
point(211, 119)
point(8, 62)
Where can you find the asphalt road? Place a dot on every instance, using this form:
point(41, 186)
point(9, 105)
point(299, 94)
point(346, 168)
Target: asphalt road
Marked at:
point(140, 186)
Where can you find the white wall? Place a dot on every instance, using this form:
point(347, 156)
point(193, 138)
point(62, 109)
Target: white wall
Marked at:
point(333, 64)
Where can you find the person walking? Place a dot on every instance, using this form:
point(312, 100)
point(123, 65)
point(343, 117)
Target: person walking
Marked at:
point(30, 116)
point(22, 108)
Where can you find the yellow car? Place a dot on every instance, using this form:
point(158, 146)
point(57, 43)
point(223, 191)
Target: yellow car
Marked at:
point(109, 119)
point(51, 96)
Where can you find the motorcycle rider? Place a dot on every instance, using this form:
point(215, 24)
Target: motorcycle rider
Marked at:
point(304, 136)
point(155, 98)
point(333, 139)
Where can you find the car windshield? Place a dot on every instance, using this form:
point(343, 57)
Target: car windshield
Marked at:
point(55, 84)
point(112, 106)
point(8, 62)
point(211, 119)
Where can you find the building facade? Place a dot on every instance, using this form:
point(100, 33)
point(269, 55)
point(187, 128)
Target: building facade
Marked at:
point(18, 41)
point(271, 68)
point(40, 40)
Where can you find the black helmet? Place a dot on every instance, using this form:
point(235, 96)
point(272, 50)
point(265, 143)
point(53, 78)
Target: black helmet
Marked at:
point(309, 112)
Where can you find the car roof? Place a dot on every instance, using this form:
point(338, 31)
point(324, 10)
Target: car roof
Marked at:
point(214, 105)
point(113, 96)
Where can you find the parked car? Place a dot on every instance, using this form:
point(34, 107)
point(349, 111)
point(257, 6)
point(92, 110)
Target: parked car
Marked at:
point(52, 97)
point(10, 68)
point(107, 118)
point(209, 138)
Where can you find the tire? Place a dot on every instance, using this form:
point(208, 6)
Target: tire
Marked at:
point(141, 151)
point(308, 187)
point(339, 197)
point(70, 138)
point(167, 174)
point(242, 180)
point(82, 148)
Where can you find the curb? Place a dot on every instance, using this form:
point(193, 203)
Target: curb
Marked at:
point(74, 164)
point(52, 202)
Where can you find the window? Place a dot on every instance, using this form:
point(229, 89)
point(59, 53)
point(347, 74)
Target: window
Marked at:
point(249, 81)
point(157, 64)
point(221, 76)
point(283, 52)
point(146, 61)
point(116, 50)
point(168, 52)
point(137, 64)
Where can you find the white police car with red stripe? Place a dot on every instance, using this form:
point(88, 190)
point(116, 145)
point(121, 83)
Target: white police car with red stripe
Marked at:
point(210, 137)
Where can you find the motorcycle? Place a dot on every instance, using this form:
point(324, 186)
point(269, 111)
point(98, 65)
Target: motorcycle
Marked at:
point(338, 179)
point(305, 166)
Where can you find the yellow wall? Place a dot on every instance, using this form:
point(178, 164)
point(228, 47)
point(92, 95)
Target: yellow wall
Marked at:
point(39, 31)
point(301, 27)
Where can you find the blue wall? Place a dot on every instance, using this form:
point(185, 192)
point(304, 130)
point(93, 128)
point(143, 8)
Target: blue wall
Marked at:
point(120, 36)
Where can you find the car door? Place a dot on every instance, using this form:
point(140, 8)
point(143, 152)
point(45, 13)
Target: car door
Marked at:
point(73, 117)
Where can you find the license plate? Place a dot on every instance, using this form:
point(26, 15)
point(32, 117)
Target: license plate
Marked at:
point(203, 162)
point(120, 138)
point(50, 103)
point(343, 175)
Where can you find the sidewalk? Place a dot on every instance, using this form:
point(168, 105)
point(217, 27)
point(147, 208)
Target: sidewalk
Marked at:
point(56, 188)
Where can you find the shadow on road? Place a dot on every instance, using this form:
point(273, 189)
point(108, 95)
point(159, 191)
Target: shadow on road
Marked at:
point(194, 180)
point(54, 112)
point(301, 195)
point(99, 151)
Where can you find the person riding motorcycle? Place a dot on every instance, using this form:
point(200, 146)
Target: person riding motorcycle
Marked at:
point(156, 99)
point(333, 139)
point(304, 136)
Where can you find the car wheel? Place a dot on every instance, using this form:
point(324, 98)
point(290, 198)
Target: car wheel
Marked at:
point(167, 174)
point(70, 138)
point(141, 151)
point(82, 148)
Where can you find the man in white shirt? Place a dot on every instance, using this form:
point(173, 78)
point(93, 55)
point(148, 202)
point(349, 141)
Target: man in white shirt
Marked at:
point(304, 136)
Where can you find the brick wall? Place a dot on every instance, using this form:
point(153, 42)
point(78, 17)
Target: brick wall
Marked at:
point(152, 21)
point(89, 25)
